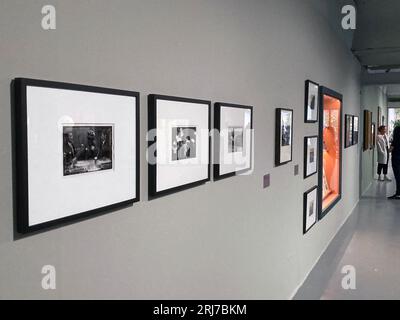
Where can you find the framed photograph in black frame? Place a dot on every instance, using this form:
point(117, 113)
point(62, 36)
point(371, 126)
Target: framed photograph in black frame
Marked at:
point(179, 144)
point(73, 145)
point(310, 209)
point(310, 156)
point(233, 149)
point(283, 136)
point(356, 130)
point(349, 131)
point(311, 102)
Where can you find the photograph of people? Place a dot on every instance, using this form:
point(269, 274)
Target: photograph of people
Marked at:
point(183, 143)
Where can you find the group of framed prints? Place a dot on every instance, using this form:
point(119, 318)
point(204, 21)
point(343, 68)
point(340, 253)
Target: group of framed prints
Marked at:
point(179, 154)
point(323, 153)
point(311, 143)
point(77, 148)
point(351, 130)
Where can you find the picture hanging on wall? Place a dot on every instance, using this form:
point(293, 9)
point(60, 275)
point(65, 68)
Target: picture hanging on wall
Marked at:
point(373, 136)
point(367, 130)
point(379, 116)
point(179, 144)
point(74, 144)
point(356, 130)
point(310, 209)
point(311, 102)
point(310, 156)
point(283, 136)
point(233, 126)
point(349, 131)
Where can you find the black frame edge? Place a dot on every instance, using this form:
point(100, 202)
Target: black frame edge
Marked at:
point(217, 126)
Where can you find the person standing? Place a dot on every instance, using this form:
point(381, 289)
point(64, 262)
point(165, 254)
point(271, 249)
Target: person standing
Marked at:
point(382, 143)
point(396, 161)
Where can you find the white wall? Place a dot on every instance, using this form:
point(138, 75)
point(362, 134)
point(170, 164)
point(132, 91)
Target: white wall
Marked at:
point(225, 240)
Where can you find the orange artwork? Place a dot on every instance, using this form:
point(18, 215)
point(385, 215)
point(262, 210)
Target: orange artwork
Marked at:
point(331, 152)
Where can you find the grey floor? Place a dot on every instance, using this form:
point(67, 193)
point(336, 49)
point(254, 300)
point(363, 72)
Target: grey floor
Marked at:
point(370, 242)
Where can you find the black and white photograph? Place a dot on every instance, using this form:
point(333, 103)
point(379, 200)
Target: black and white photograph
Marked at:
point(311, 102)
point(87, 149)
point(286, 130)
point(82, 142)
point(310, 209)
point(355, 130)
point(310, 156)
point(235, 140)
point(183, 143)
point(349, 131)
point(284, 136)
point(233, 136)
point(181, 147)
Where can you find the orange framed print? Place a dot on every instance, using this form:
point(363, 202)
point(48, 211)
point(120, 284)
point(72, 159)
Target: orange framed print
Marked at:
point(330, 150)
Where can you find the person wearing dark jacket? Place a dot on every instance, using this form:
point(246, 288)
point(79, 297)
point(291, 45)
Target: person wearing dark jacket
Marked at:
point(396, 161)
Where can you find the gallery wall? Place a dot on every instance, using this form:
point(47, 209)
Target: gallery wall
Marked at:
point(372, 97)
point(230, 239)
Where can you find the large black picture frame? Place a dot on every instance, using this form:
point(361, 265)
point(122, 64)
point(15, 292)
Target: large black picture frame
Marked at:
point(217, 127)
point(307, 94)
point(331, 93)
point(305, 210)
point(278, 119)
point(20, 152)
point(306, 174)
point(152, 125)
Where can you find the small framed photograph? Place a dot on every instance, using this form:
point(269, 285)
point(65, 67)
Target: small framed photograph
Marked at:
point(310, 209)
point(74, 145)
point(310, 156)
point(367, 130)
point(356, 130)
point(283, 136)
point(373, 135)
point(179, 144)
point(233, 148)
point(311, 102)
point(349, 131)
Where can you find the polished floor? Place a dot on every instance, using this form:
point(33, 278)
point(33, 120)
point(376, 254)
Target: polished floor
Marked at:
point(369, 242)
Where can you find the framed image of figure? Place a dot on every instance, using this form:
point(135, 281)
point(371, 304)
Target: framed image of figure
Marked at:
point(356, 130)
point(310, 156)
point(179, 144)
point(311, 102)
point(74, 144)
point(310, 209)
point(233, 148)
point(349, 131)
point(283, 136)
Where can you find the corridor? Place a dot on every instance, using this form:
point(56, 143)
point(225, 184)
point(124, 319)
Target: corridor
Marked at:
point(369, 241)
